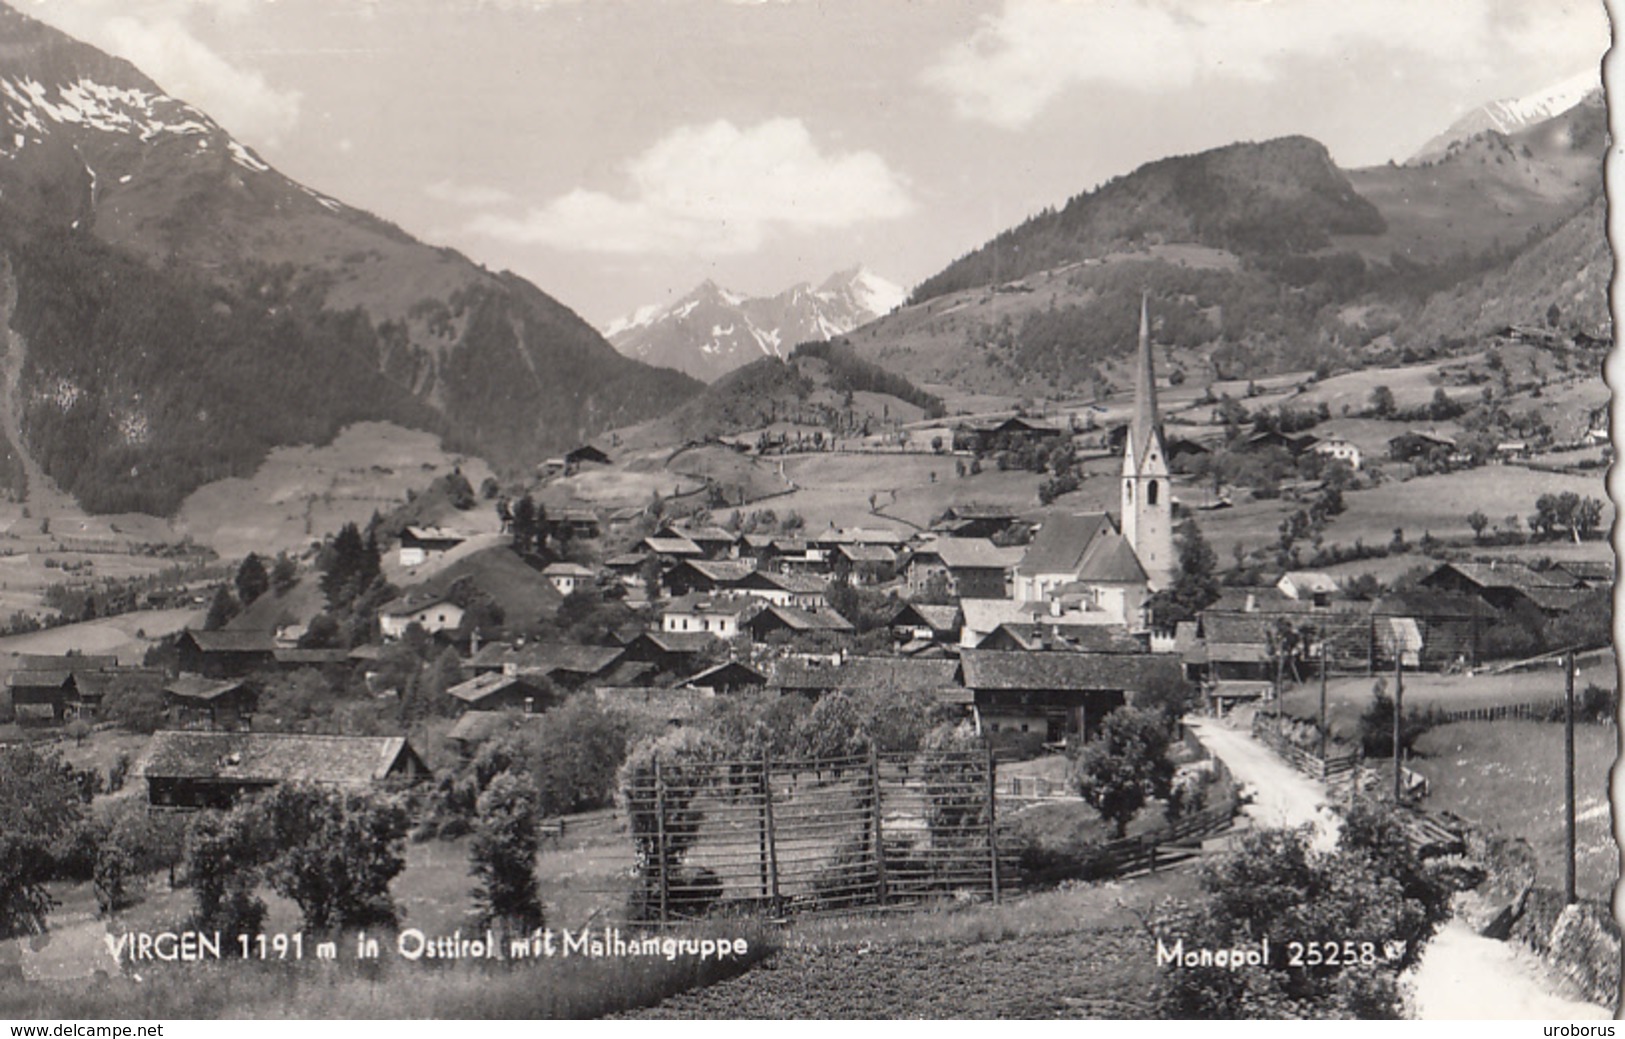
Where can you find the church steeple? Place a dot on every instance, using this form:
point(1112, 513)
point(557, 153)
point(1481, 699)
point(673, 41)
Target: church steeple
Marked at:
point(1147, 502)
point(1147, 423)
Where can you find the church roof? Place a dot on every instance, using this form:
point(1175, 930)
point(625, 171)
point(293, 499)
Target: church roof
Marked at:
point(1110, 558)
point(1062, 541)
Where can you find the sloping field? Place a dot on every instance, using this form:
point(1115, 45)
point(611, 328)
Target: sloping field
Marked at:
point(301, 493)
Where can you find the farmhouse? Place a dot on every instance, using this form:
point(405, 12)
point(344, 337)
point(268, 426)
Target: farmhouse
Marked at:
point(1339, 449)
point(419, 544)
point(1433, 629)
point(713, 542)
point(225, 705)
point(973, 568)
point(1061, 695)
point(670, 549)
point(670, 652)
point(988, 436)
point(1506, 584)
point(726, 678)
point(431, 613)
point(976, 521)
point(565, 664)
point(577, 522)
point(225, 654)
point(920, 621)
point(1415, 443)
point(788, 619)
point(803, 591)
point(705, 575)
point(218, 769)
point(57, 688)
point(500, 692)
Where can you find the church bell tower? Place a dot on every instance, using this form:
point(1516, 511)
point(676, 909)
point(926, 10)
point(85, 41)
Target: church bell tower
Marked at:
point(1148, 523)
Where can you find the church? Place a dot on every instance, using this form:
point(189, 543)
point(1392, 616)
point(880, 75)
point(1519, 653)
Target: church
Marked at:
point(1086, 566)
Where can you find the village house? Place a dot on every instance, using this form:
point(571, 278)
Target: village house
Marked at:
point(420, 544)
point(567, 577)
point(219, 769)
point(224, 705)
point(712, 541)
point(576, 523)
point(431, 613)
point(1430, 628)
point(981, 437)
point(972, 568)
point(803, 591)
point(670, 652)
point(566, 664)
point(721, 615)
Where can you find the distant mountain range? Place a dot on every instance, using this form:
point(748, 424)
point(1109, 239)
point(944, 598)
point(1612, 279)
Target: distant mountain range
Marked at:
point(1264, 257)
point(178, 307)
point(1514, 114)
point(712, 331)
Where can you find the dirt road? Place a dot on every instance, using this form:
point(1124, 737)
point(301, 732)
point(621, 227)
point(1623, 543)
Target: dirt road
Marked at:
point(1462, 975)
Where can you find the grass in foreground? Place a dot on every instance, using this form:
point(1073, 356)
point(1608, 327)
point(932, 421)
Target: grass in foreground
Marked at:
point(569, 988)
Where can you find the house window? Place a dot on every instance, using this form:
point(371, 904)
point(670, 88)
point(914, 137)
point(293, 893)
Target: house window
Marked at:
point(1151, 492)
point(1130, 488)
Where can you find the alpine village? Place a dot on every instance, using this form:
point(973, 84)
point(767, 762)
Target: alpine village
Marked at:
point(1220, 557)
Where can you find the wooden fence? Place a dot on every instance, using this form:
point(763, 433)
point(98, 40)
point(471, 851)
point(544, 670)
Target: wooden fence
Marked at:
point(813, 835)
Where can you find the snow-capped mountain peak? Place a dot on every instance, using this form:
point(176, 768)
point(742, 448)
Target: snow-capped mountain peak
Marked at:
point(712, 330)
point(1510, 115)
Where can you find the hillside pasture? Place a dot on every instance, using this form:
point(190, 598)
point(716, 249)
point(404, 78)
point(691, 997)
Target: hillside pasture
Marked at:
point(1440, 504)
point(834, 488)
point(1509, 775)
point(302, 493)
point(1348, 696)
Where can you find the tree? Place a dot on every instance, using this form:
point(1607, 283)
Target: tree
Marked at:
point(1478, 521)
point(1196, 587)
point(336, 853)
point(252, 581)
point(502, 856)
point(349, 566)
point(135, 702)
point(38, 803)
point(224, 853)
point(1278, 884)
point(579, 749)
point(1382, 402)
point(1125, 766)
point(222, 608)
point(284, 573)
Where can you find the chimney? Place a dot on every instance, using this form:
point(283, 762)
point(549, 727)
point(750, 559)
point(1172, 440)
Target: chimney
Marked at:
point(1252, 603)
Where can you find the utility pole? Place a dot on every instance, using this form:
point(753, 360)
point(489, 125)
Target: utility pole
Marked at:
point(1399, 713)
point(1323, 704)
point(1568, 774)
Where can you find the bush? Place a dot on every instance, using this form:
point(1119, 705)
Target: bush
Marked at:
point(503, 856)
point(1376, 726)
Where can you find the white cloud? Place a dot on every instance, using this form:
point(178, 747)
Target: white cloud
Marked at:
point(473, 196)
point(1020, 59)
point(716, 189)
point(159, 43)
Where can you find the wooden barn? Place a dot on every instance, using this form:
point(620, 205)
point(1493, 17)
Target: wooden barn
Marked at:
point(224, 704)
point(225, 654)
point(1061, 695)
point(218, 769)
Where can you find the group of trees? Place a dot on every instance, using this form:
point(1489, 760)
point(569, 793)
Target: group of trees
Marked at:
point(1566, 514)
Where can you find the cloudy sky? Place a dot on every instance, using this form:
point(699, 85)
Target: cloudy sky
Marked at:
point(617, 152)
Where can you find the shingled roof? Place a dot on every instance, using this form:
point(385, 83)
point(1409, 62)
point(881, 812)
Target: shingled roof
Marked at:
point(995, 669)
point(267, 757)
point(1110, 559)
point(196, 687)
point(902, 673)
